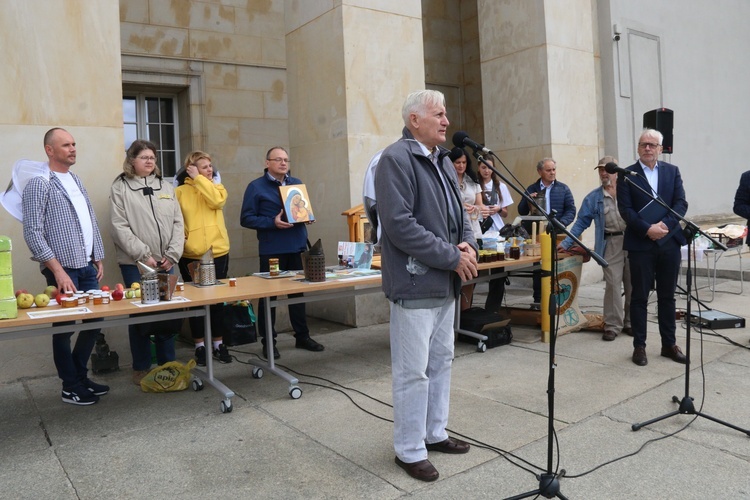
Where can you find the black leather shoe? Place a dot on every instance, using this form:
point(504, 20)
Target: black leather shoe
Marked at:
point(639, 356)
point(609, 335)
point(674, 353)
point(276, 354)
point(308, 344)
point(450, 445)
point(422, 470)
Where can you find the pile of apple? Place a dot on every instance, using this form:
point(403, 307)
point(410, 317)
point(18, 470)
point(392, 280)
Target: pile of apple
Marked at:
point(25, 300)
point(120, 293)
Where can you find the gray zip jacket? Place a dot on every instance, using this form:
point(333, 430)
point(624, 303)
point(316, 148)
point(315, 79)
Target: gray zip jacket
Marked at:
point(419, 238)
point(146, 220)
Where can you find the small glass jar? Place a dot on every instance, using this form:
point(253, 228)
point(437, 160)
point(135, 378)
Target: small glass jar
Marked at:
point(105, 298)
point(273, 267)
point(97, 299)
point(69, 302)
point(232, 281)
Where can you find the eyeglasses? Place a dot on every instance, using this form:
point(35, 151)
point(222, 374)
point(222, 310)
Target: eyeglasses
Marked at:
point(146, 158)
point(280, 160)
point(646, 145)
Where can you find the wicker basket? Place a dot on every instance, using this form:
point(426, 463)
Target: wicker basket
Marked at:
point(314, 266)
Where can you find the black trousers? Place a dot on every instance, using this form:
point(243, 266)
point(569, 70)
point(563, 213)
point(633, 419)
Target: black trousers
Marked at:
point(297, 315)
point(661, 264)
point(495, 294)
point(197, 325)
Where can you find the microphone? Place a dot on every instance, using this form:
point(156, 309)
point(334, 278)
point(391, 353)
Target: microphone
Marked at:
point(461, 139)
point(612, 168)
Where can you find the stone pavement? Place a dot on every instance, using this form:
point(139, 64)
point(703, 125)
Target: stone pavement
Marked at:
point(335, 442)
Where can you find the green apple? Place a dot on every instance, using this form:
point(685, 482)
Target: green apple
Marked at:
point(51, 291)
point(137, 293)
point(41, 300)
point(129, 294)
point(25, 300)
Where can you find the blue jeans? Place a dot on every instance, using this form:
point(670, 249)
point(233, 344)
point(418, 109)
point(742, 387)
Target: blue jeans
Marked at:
point(71, 365)
point(140, 335)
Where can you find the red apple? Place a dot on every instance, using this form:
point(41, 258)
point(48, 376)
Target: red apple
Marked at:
point(119, 286)
point(117, 294)
point(105, 288)
point(20, 291)
point(59, 297)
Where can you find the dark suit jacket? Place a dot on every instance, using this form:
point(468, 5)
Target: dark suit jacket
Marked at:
point(742, 199)
point(630, 200)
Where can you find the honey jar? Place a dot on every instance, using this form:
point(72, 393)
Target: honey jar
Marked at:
point(273, 267)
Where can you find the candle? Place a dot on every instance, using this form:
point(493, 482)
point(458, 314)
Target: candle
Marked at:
point(533, 232)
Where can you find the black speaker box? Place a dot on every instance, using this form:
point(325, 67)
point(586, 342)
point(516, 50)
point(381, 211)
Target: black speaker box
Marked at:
point(661, 119)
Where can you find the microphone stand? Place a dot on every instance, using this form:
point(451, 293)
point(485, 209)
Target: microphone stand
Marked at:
point(686, 406)
point(549, 484)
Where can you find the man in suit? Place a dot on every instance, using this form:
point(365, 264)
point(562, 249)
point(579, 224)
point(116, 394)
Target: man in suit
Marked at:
point(652, 239)
point(742, 199)
point(551, 194)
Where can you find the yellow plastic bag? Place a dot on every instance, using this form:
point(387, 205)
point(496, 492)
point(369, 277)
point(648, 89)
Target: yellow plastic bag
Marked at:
point(169, 377)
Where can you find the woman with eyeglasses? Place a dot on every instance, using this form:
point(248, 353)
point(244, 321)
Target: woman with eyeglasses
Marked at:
point(202, 199)
point(147, 226)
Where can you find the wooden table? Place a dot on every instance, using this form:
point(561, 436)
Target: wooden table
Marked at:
point(195, 301)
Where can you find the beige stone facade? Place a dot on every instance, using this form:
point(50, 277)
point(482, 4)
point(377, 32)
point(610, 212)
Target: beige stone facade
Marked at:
point(326, 78)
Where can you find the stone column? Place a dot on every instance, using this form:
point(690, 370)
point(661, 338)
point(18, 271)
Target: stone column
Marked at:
point(539, 88)
point(61, 68)
point(350, 65)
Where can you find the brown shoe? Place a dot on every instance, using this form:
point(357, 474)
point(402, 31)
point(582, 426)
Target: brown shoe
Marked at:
point(138, 375)
point(422, 470)
point(609, 335)
point(628, 331)
point(450, 445)
point(639, 356)
point(674, 353)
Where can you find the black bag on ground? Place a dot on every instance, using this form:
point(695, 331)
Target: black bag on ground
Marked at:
point(236, 324)
point(492, 325)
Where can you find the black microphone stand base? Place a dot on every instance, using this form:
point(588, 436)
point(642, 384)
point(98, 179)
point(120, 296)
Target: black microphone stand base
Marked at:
point(549, 487)
point(686, 403)
point(688, 408)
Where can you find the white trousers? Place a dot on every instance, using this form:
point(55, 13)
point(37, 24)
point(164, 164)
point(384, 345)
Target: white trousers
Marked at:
point(421, 359)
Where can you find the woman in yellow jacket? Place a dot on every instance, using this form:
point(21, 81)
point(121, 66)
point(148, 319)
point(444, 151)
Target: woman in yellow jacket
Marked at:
point(202, 201)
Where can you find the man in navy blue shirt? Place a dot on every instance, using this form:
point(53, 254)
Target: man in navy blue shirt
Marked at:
point(551, 194)
point(263, 211)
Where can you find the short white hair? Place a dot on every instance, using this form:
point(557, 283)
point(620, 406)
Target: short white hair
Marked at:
point(653, 133)
point(418, 102)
